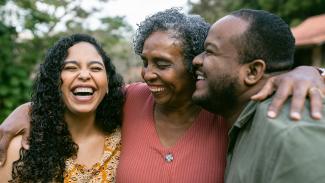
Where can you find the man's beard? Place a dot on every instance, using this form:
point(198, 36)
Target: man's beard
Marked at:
point(221, 97)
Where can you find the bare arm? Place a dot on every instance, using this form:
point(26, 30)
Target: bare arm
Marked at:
point(18, 122)
point(13, 155)
point(300, 83)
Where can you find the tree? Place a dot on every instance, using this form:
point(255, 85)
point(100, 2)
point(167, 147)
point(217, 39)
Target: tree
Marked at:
point(292, 11)
point(29, 27)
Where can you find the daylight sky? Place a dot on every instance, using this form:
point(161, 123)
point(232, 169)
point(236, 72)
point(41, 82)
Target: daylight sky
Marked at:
point(136, 10)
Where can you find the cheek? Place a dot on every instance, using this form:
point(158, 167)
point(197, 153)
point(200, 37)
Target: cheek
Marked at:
point(63, 82)
point(102, 80)
point(66, 80)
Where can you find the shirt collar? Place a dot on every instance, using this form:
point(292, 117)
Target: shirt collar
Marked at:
point(241, 121)
point(246, 114)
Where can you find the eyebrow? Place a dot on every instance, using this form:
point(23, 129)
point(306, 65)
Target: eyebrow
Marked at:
point(90, 63)
point(96, 62)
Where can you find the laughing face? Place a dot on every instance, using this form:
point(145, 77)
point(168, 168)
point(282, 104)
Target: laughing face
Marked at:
point(218, 68)
point(164, 70)
point(84, 79)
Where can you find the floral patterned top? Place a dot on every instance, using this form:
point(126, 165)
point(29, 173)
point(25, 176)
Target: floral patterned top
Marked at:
point(102, 171)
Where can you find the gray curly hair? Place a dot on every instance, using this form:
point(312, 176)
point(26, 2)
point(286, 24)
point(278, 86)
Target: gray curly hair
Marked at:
point(190, 30)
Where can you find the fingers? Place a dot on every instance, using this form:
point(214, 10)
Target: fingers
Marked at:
point(316, 102)
point(25, 141)
point(298, 100)
point(4, 143)
point(280, 96)
point(266, 91)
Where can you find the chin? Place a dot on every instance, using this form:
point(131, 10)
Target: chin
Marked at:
point(200, 97)
point(200, 100)
point(206, 102)
point(82, 109)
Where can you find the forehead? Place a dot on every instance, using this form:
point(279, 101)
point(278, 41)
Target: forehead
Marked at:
point(162, 39)
point(83, 51)
point(162, 44)
point(227, 28)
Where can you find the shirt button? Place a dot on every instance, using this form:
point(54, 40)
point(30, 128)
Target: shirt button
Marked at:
point(169, 157)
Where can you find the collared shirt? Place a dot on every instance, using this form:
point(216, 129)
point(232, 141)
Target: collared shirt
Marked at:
point(264, 150)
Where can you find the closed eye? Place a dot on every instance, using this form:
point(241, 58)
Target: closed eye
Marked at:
point(70, 68)
point(207, 51)
point(96, 69)
point(162, 64)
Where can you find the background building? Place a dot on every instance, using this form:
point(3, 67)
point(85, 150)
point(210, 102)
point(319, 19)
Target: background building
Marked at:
point(310, 41)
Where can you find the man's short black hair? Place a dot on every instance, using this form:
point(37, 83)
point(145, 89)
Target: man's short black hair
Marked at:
point(268, 37)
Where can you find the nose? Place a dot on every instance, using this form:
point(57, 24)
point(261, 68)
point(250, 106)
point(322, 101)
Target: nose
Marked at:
point(198, 60)
point(84, 74)
point(148, 73)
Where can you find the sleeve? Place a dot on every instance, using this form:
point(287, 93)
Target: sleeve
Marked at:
point(300, 154)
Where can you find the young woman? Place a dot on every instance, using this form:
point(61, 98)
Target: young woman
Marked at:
point(76, 111)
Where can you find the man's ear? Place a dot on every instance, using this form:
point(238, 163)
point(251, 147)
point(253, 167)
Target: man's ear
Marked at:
point(254, 71)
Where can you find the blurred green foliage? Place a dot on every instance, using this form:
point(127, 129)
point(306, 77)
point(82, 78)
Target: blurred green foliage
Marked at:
point(20, 55)
point(14, 82)
point(292, 11)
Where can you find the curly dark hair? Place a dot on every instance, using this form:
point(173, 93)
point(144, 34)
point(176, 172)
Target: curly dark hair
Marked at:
point(190, 30)
point(50, 141)
point(268, 37)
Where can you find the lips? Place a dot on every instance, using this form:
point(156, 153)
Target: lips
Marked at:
point(156, 89)
point(199, 75)
point(200, 80)
point(83, 91)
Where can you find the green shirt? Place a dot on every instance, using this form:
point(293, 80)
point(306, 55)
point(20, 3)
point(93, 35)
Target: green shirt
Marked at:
point(264, 150)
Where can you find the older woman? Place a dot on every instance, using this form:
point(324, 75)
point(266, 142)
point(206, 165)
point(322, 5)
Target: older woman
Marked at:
point(76, 110)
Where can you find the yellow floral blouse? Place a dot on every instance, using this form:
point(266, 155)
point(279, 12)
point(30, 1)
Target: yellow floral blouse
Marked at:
point(102, 171)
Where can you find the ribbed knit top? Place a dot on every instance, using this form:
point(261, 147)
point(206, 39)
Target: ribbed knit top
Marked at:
point(198, 156)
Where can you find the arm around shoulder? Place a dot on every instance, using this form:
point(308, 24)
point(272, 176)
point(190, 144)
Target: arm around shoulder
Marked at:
point(12, 155)
point(18, 122)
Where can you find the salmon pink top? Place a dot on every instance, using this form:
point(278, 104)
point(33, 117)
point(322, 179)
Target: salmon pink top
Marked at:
point(198, 156)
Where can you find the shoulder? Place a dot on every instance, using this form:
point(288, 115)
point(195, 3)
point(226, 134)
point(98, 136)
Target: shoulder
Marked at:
point(137, 92)
point(12, 155)
point(287, 136)
point(298, 153)
point(296, 146)
point(138, 86)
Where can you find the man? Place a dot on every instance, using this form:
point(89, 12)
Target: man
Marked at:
point(242, 50)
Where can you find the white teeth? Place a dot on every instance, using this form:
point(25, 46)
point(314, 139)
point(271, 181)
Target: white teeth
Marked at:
point(83, 90)
point(156, 89)
point(199, 77)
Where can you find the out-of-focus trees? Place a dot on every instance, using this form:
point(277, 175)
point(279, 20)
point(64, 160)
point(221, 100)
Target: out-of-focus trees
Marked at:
point(29, 27)
point(292, 11)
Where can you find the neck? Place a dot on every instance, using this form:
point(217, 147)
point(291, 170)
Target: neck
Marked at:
point(232, 116)
point(180, 115)
point(171, 123)
point(243, 99)
point(80, 125)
